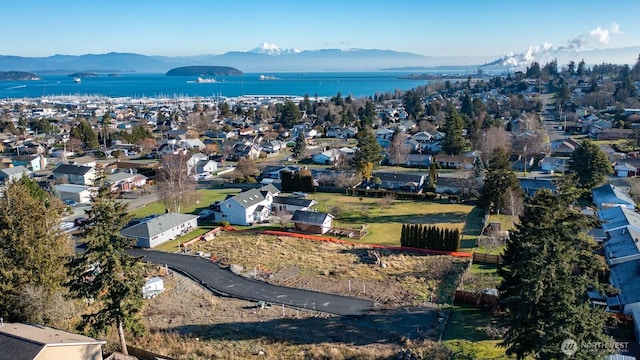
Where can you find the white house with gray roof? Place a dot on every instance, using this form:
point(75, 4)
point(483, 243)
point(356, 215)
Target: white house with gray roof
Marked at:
point(13, 173)
point(247, 208)
point(155, 231)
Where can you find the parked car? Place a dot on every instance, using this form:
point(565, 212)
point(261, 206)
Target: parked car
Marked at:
point(70, 203)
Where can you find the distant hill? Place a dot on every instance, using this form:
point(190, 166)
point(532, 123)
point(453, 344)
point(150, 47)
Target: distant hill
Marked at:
point(17, 75)
point(204, 71)
point(270, 58)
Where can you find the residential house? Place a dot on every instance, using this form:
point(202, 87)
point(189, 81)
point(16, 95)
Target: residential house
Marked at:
point(400, 181)
point(531, 185)
point(125, 180)
point(246, 150)
point(622, 245)
point(623, 276)
point(208, 167)
point(155, 231)
point(457, 183)
point(312, 222)
point(193, 161)
point(85, 160)
point(384, 133)
point(291, 204)
point(617, 217)
point(273, 146)
point(192, 144)
point(275, 172)
point(328, 157)
point(564, 148)
point(13, 173)
point(552, 164)
point(20, 341)
point(247, 208)
point(624, 169)
point(5, 162)
point(34, 163)
point(341, 132)
point(418, 160)
point(454, 161)
point(80, 194)
point(615, 134)
point(608, 195)
point(75, 174)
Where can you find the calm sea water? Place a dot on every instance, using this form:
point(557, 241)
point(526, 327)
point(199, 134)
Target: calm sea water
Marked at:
point(356, 84)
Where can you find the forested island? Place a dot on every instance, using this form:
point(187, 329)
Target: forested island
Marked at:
point(83, 75)
point(204, 71)
point(18, 75)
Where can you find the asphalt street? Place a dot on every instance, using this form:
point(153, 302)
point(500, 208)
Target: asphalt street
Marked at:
point(224, 282)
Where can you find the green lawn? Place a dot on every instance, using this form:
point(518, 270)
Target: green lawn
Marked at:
point(203, 198)
point(385, 218)
point(468, 333)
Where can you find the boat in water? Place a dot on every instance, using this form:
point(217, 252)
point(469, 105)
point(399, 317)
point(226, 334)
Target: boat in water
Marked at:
point(266, 77)
point(205, 80)
point(77, 80)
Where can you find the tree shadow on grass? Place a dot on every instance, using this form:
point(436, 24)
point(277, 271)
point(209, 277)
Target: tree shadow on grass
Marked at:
point(381, 327)
point(448, 217)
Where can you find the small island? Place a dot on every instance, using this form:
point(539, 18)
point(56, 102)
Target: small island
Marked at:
point(83, 75)
point(18, 76)
point(201, 71)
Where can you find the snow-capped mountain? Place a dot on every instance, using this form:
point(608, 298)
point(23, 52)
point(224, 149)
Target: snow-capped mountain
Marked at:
point(271, 49)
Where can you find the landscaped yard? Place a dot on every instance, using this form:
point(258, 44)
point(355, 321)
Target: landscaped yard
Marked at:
point(385, 217)
point(203, 198)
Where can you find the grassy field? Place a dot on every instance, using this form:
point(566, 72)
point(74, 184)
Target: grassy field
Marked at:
point(203, 198)
point(473, 332)
point(385, 218)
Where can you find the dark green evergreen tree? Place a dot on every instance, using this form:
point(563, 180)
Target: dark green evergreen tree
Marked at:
point(368, 153)
point(453, 143)
point(106, 273)
point(289, 114)
point(85, 133)
point(500, 183)
point(413, 104)
point(590, 164)
point(33, 249)
point(549, 263)
point(299, 147)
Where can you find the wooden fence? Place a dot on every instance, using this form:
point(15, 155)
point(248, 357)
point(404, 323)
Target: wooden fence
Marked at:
point(476, 299)
point(482, 258)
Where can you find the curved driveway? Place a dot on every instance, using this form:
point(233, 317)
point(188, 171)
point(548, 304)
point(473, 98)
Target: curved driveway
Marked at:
point(223, 281)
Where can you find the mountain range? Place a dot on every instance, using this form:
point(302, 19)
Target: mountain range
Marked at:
point(270, 58)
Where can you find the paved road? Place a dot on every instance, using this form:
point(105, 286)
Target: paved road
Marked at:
point(227, 283)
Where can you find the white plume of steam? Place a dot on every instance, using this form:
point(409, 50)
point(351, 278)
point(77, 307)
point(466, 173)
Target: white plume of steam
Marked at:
point(546, 52)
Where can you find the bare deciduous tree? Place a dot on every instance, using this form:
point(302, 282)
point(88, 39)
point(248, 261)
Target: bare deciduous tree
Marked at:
point(490, 139)
point(515, 204)
point(175, 187)
point(246, 167)
point(397, 150)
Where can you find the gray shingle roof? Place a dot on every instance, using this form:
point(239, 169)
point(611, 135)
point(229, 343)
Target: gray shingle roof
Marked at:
point(72, 169)
point(288, 200)
point(248, 198)
point(157, 226)
point(309, 217)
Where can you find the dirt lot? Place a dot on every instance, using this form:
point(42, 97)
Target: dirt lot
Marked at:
point(214, 327)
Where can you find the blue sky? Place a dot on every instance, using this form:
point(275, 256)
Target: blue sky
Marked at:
point(427, 27)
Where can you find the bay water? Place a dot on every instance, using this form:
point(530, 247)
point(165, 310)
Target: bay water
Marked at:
point(137, 85)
